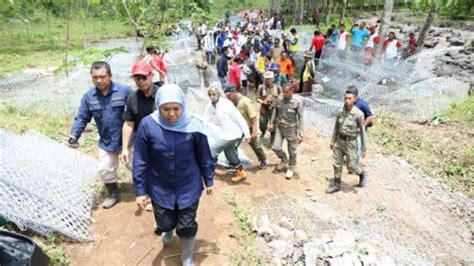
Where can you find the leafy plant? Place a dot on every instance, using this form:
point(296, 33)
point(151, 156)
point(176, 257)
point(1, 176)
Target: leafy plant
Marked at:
point(381, 208)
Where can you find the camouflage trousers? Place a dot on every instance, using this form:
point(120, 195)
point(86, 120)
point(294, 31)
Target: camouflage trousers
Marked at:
point(290, 135)
point(345, 148)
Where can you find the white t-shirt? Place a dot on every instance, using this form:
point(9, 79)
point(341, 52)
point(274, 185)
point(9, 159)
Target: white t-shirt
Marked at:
point(202, 29)
point(342, 41)
point(225, 120)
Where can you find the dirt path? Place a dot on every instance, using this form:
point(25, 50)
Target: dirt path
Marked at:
point(423, 221)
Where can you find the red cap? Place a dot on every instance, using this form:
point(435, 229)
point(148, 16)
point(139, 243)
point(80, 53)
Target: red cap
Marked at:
point(141, 68)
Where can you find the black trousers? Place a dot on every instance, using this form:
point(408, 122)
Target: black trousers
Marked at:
point(184, 221)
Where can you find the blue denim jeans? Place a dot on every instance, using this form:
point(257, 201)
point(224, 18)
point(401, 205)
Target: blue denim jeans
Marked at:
point(223, 81)
point(358, 149)
point(229, 147)
point(210, 57)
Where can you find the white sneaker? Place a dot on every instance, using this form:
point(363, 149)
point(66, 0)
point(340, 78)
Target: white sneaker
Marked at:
point(289, 174)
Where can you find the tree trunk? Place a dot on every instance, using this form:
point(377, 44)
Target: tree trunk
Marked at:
point(343, 11)
point(301, 15)
point(429, 21)
point(386, 17)
point(295, 13)
point(68, 16)
point(328, 11)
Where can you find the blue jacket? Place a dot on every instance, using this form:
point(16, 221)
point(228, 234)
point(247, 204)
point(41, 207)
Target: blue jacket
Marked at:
point(107, 112)
point(171, 167)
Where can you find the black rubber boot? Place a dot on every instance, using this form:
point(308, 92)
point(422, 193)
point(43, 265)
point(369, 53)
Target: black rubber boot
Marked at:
point(114, 195)
point(334, 187)
point(363, 179)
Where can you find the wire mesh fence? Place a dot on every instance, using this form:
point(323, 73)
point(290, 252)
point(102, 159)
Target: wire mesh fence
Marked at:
point(421, 222)
point(45, 186)
point(397, 87)
point(39, 92)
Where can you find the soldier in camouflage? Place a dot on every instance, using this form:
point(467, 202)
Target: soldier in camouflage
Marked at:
point(287, 118)
point(349, 124)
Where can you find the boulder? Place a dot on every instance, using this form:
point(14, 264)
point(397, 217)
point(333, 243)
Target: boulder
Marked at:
point(282, 233)
point(350, 259)
point(455, 41)
point(280, 248)
point(286, 223)
point(431, 43)
point(386, 261)
point(264, 228)
point(300, 235)
point(311, 253)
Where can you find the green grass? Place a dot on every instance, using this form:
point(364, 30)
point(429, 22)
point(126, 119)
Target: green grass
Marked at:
point(461, 113)
point(442, 150)
point(44, 47)
point(242, 210)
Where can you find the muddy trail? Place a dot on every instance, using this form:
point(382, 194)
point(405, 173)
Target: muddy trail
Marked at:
point(403, 212)
point(422, 221)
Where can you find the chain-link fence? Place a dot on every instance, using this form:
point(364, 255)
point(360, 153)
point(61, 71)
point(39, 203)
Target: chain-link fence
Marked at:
point(46, 186)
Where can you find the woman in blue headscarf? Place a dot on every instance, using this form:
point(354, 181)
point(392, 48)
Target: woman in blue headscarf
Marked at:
point(172, 163)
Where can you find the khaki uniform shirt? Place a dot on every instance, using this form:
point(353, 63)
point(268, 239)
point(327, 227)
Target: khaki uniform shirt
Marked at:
point(268, 97)
point(350, 124)
point(246, 108)
point(288, 113)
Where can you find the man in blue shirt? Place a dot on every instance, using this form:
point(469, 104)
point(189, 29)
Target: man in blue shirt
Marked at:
point(105, 103)
point(220, 41)
point(223, 66)
point(359, 34)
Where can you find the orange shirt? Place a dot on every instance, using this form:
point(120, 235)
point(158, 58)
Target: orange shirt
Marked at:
point(286, 67)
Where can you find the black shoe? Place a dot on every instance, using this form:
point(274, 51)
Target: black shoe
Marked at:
point(334, 187)
point(114, 196)
point(363, 179)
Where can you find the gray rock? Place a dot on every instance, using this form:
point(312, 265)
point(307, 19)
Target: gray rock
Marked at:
point(264, 228)
point(300, 235)
point(311, 253)
point(336, 251)
point(386, 261)
point(350, 259)
point(334, 261)
point(344, 238)
point(286, 223)
point(456, 41)
point(282, 233)
point(280, 248)
point(297, 256)
point(368, 259)
point(431, 43)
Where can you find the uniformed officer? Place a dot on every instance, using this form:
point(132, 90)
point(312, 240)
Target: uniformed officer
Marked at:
point(349, 124)
point(266, 96)
point(287, 118)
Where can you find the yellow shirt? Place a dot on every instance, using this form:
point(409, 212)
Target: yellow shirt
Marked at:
point(246, 108)
point(260, 64)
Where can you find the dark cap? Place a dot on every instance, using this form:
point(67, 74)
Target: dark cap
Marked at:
point(229, 87)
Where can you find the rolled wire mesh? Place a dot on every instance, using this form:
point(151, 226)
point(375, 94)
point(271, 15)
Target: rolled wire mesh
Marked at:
point(45, 186)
